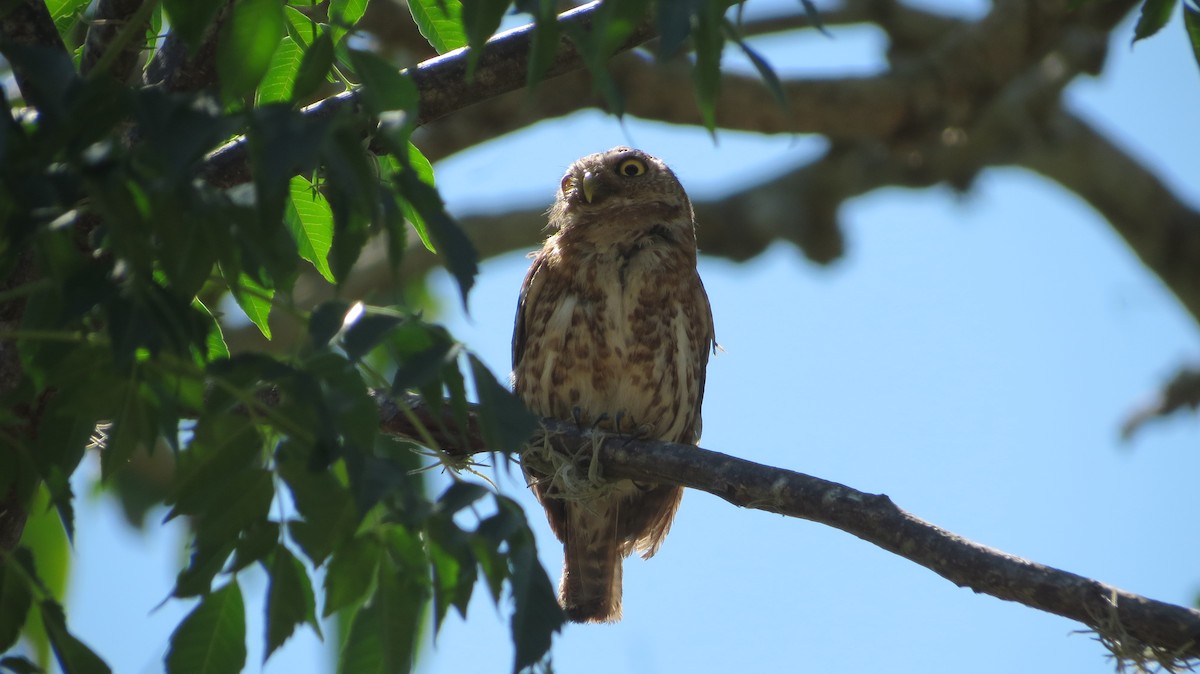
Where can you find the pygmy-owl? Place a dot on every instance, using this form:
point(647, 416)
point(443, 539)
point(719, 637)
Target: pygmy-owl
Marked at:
point(613, 331)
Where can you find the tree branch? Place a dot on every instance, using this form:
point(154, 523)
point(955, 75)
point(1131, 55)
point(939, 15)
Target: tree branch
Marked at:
point(1133, 626)
point(28, 23)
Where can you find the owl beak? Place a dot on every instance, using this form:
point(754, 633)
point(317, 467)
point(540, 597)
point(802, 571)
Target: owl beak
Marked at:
point(588, 184)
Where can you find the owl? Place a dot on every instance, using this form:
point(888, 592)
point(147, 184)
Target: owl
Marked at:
point(613, 332)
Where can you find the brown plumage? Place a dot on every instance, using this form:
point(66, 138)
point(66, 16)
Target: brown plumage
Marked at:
point(614, 330)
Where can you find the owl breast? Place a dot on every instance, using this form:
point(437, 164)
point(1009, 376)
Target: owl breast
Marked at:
point(617, 348)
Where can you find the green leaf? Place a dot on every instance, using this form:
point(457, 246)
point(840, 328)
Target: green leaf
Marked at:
point(350, 573)
point(15, 598)
point(255, 300)
point(383, 633)
point(314, 67)
point(190, 18)
point(421, 352)
point(73, 657)
point(504, 421)
point(215, 344)
point(707, 71)
point(252, 35)
point(383, 87)
point(135, 425)
point(310, 220)
point(418, 163)
point(1191, 21)
point(814, 17)
point(460, 495)
point(326, 505)
point(440, 21)
point(765, 71)
point(1155, 14)
point(480, 19)
point(65, 13)
point(205, 562)
point(368, 332)
point(256, 543)
point(543, 48)
point(457, 251)
point(212, 638)
point(19, 665)
point(346, 13)
point(454, 568)
point(537, 615)
point(280, 79)
point(289, 599)
point(326, 321)
point(674, 22)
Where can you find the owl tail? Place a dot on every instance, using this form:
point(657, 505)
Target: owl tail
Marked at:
point(590, 591)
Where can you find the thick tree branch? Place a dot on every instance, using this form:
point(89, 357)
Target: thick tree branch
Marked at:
point(1133, 626)
point(28, 23)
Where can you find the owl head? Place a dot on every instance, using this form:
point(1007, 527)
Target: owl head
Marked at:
point(618, 184)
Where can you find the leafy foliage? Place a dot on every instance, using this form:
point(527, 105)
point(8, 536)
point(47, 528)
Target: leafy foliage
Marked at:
point(129, 270)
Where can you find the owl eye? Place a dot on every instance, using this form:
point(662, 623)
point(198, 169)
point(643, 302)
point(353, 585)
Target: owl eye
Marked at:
point(631, 168)
point(567, 183)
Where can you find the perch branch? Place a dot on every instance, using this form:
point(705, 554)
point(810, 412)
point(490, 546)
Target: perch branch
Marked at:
point(1134, 626)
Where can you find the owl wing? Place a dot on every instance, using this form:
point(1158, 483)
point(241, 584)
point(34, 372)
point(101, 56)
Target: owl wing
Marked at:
point(520, 325)
point(708, 347)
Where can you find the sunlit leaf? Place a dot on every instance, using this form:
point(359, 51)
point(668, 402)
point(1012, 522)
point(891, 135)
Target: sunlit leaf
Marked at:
point(215, 344)
point(250, 38)
point(212, 638)
point(255, 300)
point(440, 21)
point(65, 13)
point(310, 220)
point(279, 82)
point(347, 12)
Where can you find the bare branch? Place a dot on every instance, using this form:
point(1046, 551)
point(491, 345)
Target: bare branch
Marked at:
point(1127, 622)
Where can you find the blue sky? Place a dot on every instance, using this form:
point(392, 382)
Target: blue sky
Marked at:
point(972, 357)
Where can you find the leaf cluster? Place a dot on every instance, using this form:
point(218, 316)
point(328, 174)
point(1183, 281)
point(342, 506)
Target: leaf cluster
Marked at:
point(122, 267)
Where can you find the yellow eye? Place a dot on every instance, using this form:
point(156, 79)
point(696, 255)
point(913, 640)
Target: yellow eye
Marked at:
point(567, 183)
point(631, 168)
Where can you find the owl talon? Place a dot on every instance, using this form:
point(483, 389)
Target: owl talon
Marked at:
point(577, 416)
